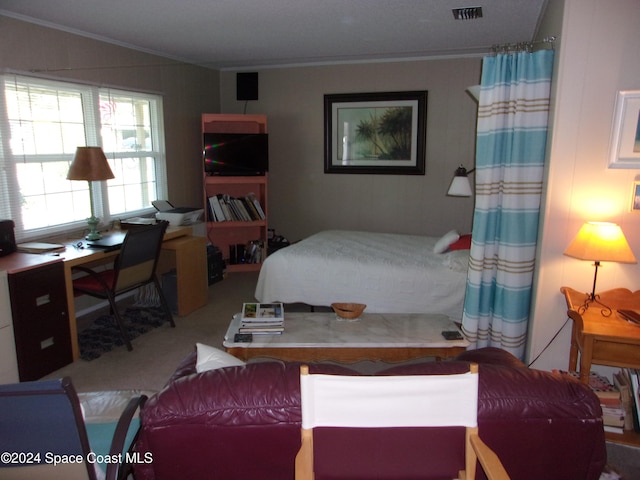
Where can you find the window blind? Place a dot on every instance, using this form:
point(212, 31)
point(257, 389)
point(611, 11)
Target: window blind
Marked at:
point(41, 124)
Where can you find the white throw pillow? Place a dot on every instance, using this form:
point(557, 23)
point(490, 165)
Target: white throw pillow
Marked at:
point(447, 239)
point(210, 358)
point(458, 260)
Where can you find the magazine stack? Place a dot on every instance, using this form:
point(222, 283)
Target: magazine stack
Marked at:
point(262, 318)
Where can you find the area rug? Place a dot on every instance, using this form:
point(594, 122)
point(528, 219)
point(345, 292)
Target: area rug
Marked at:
point(103, 335)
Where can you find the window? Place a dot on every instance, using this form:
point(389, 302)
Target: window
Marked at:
point(41, 124)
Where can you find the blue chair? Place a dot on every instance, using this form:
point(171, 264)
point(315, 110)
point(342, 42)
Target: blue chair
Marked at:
point(43, 434)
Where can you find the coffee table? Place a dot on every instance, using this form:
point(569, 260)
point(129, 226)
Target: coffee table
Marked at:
point(313, 337)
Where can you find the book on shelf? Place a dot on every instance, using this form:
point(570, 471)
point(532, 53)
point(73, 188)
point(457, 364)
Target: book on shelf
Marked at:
point(613, 416)
point(622, 381)
point(216, 208)
point(224, 207)
point(261, 313)
point(611, 429)
point(635, 396)
point(239, 212)
point(251, 208)
point(254, 200)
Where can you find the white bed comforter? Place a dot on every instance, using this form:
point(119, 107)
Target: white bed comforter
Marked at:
point(390, 273)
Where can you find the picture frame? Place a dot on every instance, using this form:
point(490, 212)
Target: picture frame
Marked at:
point(635, 197)
point(375, 133)
point(625, 134)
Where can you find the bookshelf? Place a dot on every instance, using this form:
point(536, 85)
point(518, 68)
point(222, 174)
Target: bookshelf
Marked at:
point(230, 236)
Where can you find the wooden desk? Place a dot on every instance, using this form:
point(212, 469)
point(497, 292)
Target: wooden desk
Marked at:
point(193, 276)
point(604, 340)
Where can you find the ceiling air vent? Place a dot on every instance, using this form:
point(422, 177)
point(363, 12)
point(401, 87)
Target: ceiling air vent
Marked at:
point(467, 13)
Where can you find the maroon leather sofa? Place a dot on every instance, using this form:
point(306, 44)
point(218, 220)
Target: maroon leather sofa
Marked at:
point(243, 423)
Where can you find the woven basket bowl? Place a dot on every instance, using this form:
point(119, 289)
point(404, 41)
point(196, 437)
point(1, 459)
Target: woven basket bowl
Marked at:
point(348, 310)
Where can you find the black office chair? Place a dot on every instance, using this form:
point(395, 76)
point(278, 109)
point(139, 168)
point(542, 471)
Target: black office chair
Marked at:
point(42, 423)
point(134, 267)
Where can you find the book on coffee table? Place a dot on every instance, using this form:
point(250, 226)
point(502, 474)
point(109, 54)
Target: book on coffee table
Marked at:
point(262, 318)
point(262, 330)
point(262, 313)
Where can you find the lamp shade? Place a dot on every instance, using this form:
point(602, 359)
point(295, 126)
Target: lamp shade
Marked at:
point(474, 91)
point(601, 242)
point(460, 186)
point(89, 163)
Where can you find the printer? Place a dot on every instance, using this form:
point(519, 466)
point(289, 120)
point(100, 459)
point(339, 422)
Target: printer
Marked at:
point(176, 216)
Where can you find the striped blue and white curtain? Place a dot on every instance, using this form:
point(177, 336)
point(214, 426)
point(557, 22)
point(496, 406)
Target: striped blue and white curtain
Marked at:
point(510, 150)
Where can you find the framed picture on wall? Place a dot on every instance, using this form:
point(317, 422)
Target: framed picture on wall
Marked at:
point(635, 197)
point(381, 132)
point(625, 135)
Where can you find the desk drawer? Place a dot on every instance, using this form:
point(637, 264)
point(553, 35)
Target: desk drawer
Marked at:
point(40, 320)
point(617, 354)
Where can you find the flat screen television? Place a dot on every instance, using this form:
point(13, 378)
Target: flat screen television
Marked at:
point(236, 153)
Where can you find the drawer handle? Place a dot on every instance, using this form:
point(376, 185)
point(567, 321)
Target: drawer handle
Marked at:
point(46, 343)
point(43, 300)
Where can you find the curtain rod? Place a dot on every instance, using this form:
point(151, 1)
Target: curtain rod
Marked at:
point(522, 46)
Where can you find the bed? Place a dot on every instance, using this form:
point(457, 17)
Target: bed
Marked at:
point(390, 273)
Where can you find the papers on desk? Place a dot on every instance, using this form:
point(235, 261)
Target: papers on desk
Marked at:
point(40, 247)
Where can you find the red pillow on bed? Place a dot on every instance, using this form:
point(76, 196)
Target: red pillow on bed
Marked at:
point(463, 243)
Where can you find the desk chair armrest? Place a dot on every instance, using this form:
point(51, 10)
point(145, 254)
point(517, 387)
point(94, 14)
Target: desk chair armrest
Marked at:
point(119, 437)
point(488, 459)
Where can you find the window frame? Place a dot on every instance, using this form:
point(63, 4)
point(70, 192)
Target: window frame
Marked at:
point(91, 98)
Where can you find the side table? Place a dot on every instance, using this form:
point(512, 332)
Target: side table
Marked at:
point(604, 340)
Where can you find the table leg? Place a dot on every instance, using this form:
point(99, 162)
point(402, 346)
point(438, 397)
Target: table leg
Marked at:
point(585, 359)
point(576, 337)
point(573, 351)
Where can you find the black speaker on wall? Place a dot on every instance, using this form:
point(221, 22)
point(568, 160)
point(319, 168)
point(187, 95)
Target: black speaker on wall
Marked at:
point(247, 86)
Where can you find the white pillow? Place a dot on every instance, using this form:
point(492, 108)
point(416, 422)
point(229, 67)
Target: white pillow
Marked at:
point(458, 260)
point(447, 239)
point(211, 358)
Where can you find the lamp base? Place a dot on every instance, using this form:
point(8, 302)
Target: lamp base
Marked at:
point(593, 298)
point(605, 310)
point(93, 229)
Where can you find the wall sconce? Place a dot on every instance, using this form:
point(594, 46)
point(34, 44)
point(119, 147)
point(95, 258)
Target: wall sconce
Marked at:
point(474, 92)
point(91, 165)
point(600, 241)
point(460, 186)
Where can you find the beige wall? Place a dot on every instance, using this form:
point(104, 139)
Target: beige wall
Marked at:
point(303, 199)
point(598, 56)
point(187, 90)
